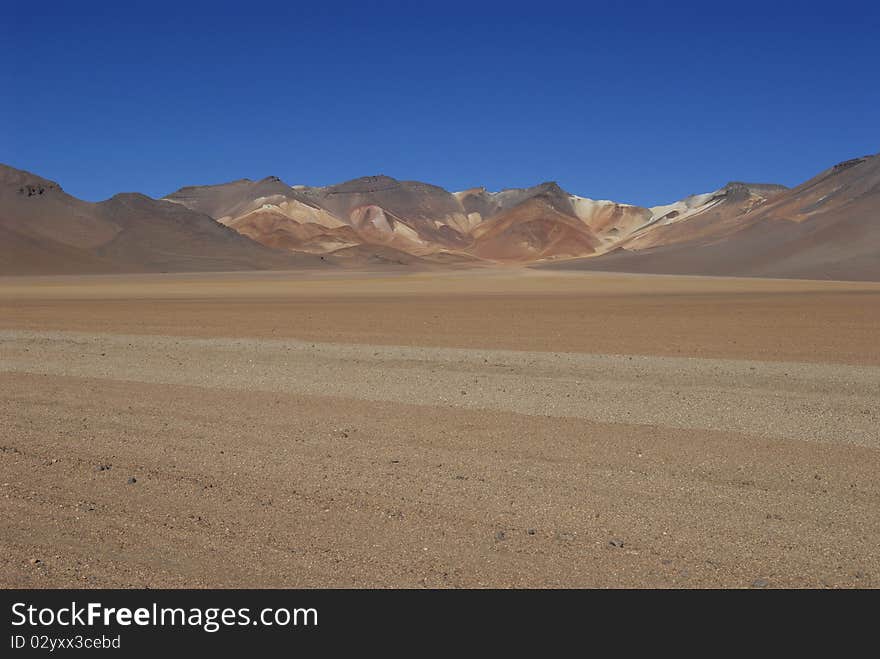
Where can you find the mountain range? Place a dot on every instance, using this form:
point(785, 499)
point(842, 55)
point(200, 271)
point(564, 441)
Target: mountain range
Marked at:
point(825, 228)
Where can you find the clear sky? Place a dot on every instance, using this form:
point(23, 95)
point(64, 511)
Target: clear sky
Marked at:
point(633, 101)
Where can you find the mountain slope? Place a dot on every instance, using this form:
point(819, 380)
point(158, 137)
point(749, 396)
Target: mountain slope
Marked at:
point(226, 200)
point(825, 228)
point(373, 212)
point(45, 230)
point(828, 227)
point(531, 230)
point(702, 217)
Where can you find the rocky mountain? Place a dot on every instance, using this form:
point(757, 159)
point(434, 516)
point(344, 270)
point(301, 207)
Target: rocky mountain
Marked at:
point(419, 219)
point(825, 228)
point(44, 230)
point(828, 227)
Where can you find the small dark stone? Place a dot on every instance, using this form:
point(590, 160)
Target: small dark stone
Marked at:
point(531, 531)
point(616, 543)
point(760, 583)
point(132, 480)
point(501, 535)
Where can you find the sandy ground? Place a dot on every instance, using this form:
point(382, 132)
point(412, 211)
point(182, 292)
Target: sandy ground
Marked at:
point(494, 428)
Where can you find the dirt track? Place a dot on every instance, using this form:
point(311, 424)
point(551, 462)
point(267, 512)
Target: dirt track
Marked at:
point(509, 429)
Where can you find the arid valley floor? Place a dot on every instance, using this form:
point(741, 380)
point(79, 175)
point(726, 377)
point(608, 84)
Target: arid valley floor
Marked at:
point(498, 428)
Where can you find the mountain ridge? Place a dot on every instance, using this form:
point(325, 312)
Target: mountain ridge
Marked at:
point(828, 226)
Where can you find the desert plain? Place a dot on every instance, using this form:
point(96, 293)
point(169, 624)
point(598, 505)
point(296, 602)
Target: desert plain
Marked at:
point(502, 427)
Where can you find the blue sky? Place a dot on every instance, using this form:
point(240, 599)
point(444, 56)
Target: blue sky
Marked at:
point(637, 102)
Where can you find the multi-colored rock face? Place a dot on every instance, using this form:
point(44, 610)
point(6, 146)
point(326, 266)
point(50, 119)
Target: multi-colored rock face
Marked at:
point(825, 228)
point(519, 225)
point(829, 227)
